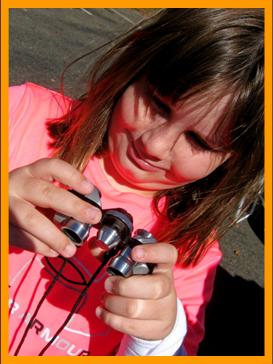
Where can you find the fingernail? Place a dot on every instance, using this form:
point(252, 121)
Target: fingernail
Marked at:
point(108, 285)
point(139, 252)
point(86, 185)
point(69, 250)
point(98, 311)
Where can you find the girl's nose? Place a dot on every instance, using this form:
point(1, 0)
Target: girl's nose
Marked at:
point(158, 143)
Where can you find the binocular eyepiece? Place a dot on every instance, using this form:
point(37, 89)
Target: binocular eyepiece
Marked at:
point(114, 231)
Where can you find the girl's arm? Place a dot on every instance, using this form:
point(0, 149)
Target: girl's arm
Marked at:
point(169, 346)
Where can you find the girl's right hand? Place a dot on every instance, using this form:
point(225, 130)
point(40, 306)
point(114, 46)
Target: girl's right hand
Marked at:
point(31, 187)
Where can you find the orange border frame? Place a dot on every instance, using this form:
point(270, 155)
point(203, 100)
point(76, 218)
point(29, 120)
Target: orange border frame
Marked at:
point(267, 5)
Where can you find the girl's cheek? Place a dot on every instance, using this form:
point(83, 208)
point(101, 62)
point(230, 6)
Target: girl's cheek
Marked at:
point(193, 169)
point(125, 117)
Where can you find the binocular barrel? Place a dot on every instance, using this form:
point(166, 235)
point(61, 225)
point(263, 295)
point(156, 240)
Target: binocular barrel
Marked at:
point(123, 264)
point(114, 231)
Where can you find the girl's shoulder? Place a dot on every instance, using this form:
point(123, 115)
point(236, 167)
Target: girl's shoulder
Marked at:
point(30, 96)
point(30, 108)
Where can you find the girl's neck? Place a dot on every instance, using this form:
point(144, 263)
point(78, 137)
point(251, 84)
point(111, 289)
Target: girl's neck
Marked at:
point(116, 181)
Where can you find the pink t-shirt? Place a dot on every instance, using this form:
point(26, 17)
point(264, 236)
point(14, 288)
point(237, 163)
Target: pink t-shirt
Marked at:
point(30, 274)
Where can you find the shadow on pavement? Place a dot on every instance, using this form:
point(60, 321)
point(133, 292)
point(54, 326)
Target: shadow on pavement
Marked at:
point(234, 318)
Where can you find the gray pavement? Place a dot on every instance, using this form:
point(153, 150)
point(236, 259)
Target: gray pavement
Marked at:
point(42, 43)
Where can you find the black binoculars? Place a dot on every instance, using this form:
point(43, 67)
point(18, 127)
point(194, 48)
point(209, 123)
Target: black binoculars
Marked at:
point(114, 232)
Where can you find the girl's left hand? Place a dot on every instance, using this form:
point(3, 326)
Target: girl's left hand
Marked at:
point(143, 306)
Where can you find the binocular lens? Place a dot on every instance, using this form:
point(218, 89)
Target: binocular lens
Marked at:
point(76, 231)
point(122, 264)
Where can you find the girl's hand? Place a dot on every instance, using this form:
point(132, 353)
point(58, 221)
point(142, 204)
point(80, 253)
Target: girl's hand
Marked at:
point(32, 186)
point(143, 306)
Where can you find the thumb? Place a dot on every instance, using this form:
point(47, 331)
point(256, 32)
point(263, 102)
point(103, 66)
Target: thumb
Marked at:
point(162, 254)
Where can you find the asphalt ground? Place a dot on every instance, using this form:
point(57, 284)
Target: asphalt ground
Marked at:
point(42, 43)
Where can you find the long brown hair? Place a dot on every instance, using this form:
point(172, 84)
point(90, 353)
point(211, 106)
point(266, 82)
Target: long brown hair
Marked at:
point(184, 53)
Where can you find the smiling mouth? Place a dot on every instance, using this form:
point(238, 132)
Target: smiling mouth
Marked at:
point(137, 159)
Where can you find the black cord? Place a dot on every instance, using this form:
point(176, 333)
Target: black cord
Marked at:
point(29, 325)
point(84, 281)
point(106, 258)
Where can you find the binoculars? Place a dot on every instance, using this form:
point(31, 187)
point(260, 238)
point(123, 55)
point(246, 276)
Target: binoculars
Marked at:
point(114, 234)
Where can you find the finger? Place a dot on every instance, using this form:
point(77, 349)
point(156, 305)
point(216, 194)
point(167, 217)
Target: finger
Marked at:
point(162, 254)
point(47, 195)
point(24, 240)
point(134, 308)
point(53, 168)
point(153, 330)
point(32, 221)
point(96, 252)
point(151, 286)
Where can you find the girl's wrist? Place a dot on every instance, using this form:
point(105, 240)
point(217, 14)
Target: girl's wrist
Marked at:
point(134, 346)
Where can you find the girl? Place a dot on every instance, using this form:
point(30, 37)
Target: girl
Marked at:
point(171, 130)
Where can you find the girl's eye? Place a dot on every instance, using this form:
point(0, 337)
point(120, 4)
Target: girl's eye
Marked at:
point(198, 141)
point(160, 106)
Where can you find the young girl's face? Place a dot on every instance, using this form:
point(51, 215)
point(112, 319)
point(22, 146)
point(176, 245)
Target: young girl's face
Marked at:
point(155, 145)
